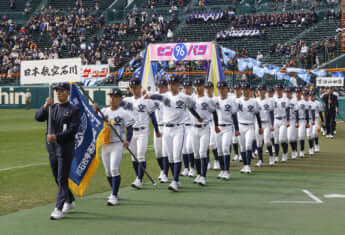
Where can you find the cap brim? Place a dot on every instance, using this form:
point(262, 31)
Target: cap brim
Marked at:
point(60, 88)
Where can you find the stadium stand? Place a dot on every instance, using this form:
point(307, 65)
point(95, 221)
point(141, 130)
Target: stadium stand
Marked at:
point(113, 32)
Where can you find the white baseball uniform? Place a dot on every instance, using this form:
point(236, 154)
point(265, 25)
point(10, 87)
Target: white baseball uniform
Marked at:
point(266, 106)
point(112, 152)
point(204, 106)
point(280, 119)
point(140, 109)
point(247, 110)
point(225, 109)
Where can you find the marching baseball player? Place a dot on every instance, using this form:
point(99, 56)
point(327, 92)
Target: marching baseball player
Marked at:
point(213, 139)
point(112, 149)
point(205, 107)
point(270, 95)
point(267, 119)
point(310, 136)
point(318, 107)
point(237, 96)
point(162, 158)
point(187, 151)
point(292, 130)
point(174, 108)
point(281, 122)
point(248, 109)
point(227, 110)
point(142, 110)
point(303, 119)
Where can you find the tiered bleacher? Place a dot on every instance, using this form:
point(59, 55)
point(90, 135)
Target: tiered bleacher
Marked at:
point(303, 33)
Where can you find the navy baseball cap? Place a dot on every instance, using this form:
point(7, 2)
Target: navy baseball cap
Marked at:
point(237, 86)
point(305, 92)
point(134, 82)
point(174, 79)
point(222, 84)
point(187, 82)
point(298, 89)
point(162, 82)
point(209, 85)
point(262, 87)
point(279, 86)
point(115, 92)
point(289, 89)
point(62, 86)
point(199, 81)
point(245, 85)
point(270, 89)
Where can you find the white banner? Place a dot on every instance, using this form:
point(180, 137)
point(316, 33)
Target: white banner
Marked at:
point(329, 81)
point(95, 71)
point(50, 71)
point(123, 84)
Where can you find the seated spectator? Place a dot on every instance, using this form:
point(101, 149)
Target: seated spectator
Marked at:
point(12, 4)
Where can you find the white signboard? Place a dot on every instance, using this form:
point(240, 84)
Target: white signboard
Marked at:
point(123, 84)
point(329, 81)
point(50, 71)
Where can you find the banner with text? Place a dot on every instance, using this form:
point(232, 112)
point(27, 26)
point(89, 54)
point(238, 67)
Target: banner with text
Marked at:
point(329, 81)
point(95, 71)
point(181, 51)
point(50, 71)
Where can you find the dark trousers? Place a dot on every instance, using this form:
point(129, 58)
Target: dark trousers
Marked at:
point(330, 123)
point(60, 166)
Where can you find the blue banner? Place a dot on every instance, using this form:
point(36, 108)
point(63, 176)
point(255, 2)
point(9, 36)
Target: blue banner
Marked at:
point(85, 161)
point(227, 54)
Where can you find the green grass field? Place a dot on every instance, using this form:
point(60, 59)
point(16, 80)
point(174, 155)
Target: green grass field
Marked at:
point(270, 201)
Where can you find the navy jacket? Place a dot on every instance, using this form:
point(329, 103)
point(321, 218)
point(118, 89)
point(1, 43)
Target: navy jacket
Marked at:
point(65, 124)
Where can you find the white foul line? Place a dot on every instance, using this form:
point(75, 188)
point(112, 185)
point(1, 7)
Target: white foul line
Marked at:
point(24, 166)
point(334, 196)
point(316, 200)
point(312, 196)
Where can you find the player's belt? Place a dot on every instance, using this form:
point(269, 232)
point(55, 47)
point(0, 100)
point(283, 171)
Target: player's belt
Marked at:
point(187, 124)
point(172, 125)
point(139, 128)
point(160, 124)
point(280, 118)
point(200, 125)
point(246, 124)
point(225, 125)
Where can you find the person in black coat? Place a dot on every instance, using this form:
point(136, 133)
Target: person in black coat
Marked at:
point(65, 119)
point(331, 109)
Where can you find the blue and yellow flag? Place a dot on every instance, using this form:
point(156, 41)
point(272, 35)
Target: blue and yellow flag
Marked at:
point(87, 142)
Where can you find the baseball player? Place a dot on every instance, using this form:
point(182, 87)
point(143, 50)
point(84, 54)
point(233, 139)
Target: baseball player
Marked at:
point(162, 159)
point(306, 96)
point(303, 119)
point(248, 109)
point(227, 110)
point(112, 148)
point(281, 122)
point(318, 107)
point(142, 110)
point(206, 107)
point(266, 107)
point(270, 95)
point(213, 138)
point(187, 151)
point(292, 130)
point(238, 95)
point(174, 109)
